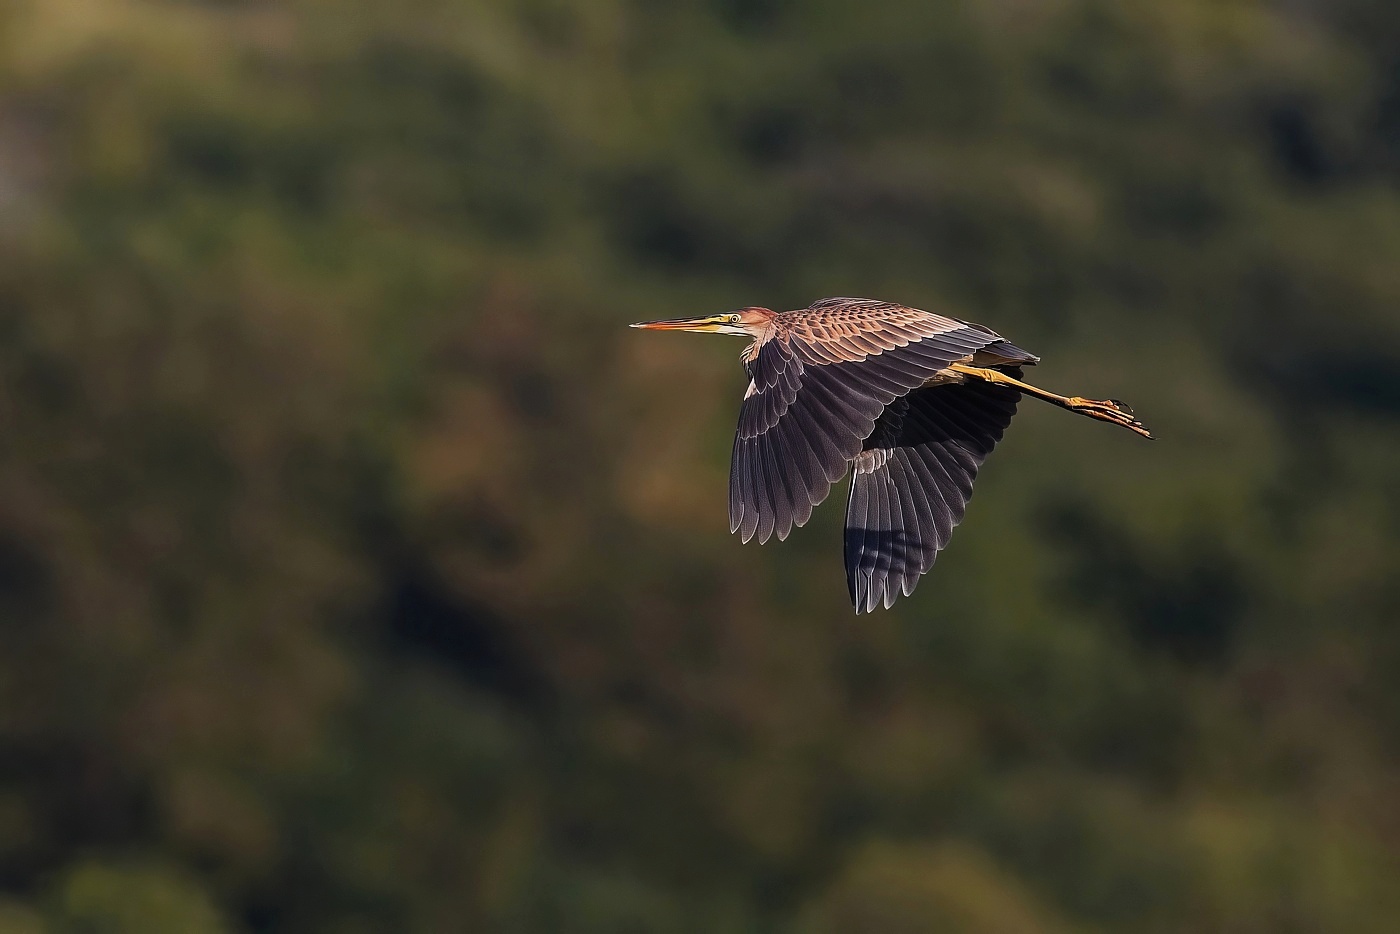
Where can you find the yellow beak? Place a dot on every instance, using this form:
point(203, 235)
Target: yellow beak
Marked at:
point(706, 323)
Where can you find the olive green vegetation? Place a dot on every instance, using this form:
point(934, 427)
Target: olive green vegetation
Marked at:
point(360, 571)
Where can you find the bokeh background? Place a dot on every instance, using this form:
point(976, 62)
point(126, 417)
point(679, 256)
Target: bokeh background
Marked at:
point(360, 571)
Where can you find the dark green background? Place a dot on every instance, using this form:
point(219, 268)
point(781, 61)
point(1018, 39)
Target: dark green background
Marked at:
point(360, 571)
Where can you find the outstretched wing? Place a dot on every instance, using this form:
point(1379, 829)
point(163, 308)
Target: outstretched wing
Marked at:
point(911, 484)
point(819, 383)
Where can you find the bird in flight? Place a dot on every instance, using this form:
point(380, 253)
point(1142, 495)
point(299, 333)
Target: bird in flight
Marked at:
point(912, 402)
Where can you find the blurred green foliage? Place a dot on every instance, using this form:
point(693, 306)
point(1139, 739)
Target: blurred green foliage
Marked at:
point(359, 571)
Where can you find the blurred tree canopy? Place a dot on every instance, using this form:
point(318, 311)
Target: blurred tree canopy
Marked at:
point(360, 572)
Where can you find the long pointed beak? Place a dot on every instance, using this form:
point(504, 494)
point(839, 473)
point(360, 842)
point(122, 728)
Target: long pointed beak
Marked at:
point(705, 323)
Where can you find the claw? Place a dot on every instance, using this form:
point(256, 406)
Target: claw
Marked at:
point(1113, 411)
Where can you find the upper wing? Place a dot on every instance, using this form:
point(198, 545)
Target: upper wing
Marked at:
point(911, 484)
point(819, 384)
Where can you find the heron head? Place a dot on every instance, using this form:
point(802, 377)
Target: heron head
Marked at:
point(747, 322)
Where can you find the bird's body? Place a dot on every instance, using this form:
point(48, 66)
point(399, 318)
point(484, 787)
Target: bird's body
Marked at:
point(909, 401)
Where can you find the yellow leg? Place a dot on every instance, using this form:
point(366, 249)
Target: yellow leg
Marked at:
point(1105, 410)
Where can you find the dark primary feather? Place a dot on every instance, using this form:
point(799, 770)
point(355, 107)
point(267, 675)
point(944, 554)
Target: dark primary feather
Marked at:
point(911, 484)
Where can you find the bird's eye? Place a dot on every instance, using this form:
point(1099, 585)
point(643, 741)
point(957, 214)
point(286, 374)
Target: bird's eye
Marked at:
point(733, 319)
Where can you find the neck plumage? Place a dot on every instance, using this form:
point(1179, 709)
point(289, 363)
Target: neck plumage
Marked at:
point(750, 353)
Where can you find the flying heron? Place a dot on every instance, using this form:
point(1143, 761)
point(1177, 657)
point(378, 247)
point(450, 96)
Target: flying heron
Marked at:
point(912, 401)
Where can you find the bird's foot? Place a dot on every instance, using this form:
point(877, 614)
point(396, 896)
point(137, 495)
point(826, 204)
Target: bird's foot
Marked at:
point(1112, 411)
